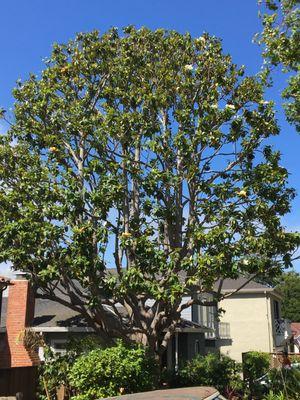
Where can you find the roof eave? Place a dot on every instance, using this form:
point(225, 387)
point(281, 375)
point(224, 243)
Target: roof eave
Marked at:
point(57, 329)
point(81, 329)
point(254, 291)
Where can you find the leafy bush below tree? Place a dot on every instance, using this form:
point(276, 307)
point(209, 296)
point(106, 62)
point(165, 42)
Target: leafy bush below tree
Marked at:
point(270, 384)
point(256, 364)
point(90, 371)
point(113, 371)
point(273, 396)
point(286, 381)
point(212, 370)
point(54, 371)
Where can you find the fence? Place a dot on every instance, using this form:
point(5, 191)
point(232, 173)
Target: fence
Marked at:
point(257, 368)
point(19, 380)
point(277, 359)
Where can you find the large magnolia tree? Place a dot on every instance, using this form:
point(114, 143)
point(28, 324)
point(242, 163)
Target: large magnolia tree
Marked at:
point(143, 152)
point(280, 40)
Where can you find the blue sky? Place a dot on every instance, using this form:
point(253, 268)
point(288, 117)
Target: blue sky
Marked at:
point(29, 28)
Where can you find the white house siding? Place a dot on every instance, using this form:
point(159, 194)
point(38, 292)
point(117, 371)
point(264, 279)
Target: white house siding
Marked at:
point(204, 315)
point(186, 313)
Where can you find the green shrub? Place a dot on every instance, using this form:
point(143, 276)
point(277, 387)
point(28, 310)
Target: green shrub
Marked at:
point(111, 371)
point(212, 370)
point(54, 371)
point(295, 358)
point(274, 396)
point(255, 365)
point(285, 381)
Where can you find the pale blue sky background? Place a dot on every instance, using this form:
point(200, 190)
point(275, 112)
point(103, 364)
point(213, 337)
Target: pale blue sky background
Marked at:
point(28, 29)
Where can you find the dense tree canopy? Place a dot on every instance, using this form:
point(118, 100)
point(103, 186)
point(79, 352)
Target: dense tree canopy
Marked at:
point(281, 47)
point(144, 152)
point(289, 286)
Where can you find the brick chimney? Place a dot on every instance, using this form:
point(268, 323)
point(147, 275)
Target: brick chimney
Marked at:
point(20, 314)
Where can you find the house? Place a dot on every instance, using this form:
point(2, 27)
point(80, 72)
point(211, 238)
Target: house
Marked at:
point(56, 323)
point(252, 321)
point(255, 319)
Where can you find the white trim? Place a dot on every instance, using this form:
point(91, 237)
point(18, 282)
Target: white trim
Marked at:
point(254, 290)
point(62, 350)
point(176, 352)
point(41, 353)
point(194, 330)
point(214, 396)
point(53, 329)
point(62, 329)
point(263, 291)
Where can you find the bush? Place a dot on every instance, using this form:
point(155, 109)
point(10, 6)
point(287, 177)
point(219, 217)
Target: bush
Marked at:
point(54, 372)
point(273, 396)
point(111, 371)
point(255, 365)
point(285, 381)
point(295, 358)
point(212, 370)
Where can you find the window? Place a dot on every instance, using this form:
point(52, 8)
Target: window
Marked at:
point(197, 347)
point(276, 310)
point(58, 346)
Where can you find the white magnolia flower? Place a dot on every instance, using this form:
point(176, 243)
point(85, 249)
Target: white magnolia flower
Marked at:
point(201, 39)
point(188, 67)
point(242, 193)
point(215, 106)
point(231, 106)
point(245, 261)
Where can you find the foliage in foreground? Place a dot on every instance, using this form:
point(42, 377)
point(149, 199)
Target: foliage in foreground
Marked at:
point(212, 370)
point(273, 396)
point(256, 364)
point(275, 383)
point(286, 381)
point(54, 372)
point(90, 372)
point(113, 371)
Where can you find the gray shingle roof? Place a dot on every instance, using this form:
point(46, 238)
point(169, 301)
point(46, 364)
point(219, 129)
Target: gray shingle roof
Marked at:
point(233, 284)
point(52, 314)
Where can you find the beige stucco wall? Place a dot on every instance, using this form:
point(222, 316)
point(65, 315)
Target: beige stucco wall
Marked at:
point(250, 319)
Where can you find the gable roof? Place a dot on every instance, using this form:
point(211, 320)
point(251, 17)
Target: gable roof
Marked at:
point(234, 284)
point(50, 314)
point(55, 317)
